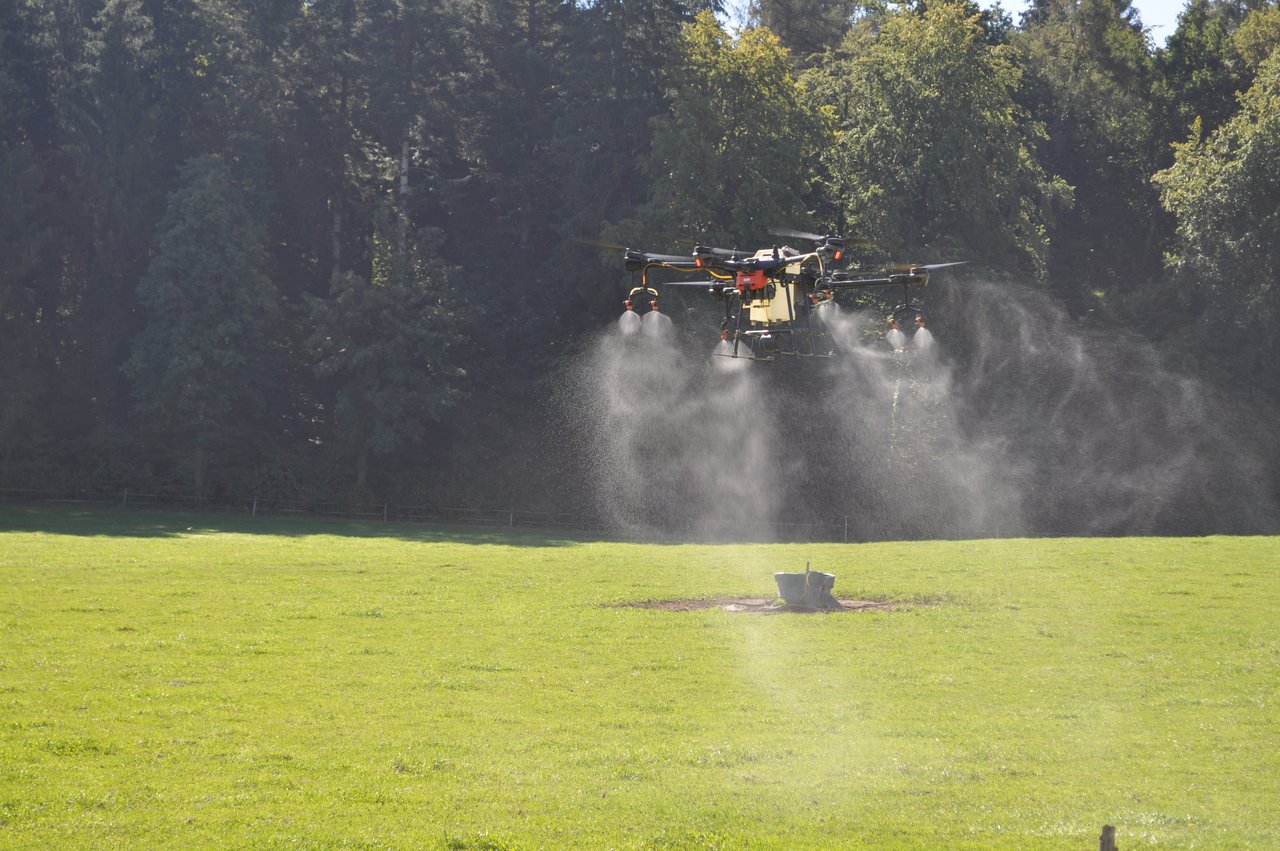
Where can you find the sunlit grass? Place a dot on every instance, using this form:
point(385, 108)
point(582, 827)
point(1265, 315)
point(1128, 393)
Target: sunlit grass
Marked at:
point(255, 682)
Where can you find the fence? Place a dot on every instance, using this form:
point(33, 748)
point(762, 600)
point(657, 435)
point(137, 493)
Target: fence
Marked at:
point(457, 516)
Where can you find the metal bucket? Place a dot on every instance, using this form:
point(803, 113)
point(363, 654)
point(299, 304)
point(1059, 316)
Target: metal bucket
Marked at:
point(810, 590)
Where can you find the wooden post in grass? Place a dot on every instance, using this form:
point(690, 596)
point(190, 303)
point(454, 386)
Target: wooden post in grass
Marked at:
point(253, 512)
point(384, 512)
point(1107, 842)
point(124, 500)
point(511, 518)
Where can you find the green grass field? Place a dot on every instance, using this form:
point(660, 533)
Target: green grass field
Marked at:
point(172, 680)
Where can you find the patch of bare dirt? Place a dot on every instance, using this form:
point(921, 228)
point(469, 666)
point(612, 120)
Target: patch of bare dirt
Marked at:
point(757, 605)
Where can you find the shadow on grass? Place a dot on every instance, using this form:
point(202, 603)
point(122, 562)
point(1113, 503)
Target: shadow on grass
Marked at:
point(147, 523)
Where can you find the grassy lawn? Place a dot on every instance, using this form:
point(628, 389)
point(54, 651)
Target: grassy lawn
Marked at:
point(202, 680)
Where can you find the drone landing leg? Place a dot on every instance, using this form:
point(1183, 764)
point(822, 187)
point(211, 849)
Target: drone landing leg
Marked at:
point(737, 329)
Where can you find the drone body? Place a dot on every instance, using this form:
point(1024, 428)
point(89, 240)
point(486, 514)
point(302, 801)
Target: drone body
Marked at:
point(772, 296)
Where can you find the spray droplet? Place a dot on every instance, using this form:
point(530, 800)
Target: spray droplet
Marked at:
point(629, 323)
point(656, 324)
point(722, 359)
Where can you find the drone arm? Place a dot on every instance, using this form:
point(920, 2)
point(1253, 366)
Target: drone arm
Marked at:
point(685, 268)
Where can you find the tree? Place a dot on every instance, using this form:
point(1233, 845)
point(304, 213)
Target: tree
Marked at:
point(28, 242)
point(734, 156)
point(1089, 78)
point(204, 365)
point(1258, 37)
point(387, 345)
point(115, 178)
point(805, 27)
point(614, 89)
point(1200, 72)
point(1224, 190)
point(24, 330)
point(932, 153)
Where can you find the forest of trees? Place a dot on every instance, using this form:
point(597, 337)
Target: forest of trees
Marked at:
point(329, 248)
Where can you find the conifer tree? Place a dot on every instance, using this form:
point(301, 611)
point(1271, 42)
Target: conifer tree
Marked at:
point(387, 345)
point(204, 364)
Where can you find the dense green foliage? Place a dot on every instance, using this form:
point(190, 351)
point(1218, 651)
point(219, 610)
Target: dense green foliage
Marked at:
point(1226, 260)
point(932, 151)
point(201, 367)
point(327, 248)
point(214, 681)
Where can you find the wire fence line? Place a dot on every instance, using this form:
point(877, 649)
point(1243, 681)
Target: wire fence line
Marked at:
point(469, 517)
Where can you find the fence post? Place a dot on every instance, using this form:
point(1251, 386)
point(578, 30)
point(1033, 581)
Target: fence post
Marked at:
point(846, 528)
point(1107, 842)
point(253, 512)
point(511, 519)
point(124, 501)
point(384, 512)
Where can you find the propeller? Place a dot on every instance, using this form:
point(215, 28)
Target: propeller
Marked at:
point(797, 234)
point(912, 267)
point(814, 237)
point(599, 243)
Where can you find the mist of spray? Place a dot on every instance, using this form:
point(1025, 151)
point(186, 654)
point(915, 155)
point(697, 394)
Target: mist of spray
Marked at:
point(901, 461)
point(667, 437)
point(1014, 419)
point(1097, 432)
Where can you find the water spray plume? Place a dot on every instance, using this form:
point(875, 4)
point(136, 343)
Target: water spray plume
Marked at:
point(1018, 421)
point(629, 322)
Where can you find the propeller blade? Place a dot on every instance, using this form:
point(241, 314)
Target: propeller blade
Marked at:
point(909, 267)
point(694, 284)
point(796, 234)
point(813, 237)
point(607, 246)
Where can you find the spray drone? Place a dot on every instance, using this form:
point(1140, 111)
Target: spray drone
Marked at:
point(771, 296)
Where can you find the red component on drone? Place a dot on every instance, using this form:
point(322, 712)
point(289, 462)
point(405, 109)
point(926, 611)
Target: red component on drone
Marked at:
point(628, 304)
point(751, 281)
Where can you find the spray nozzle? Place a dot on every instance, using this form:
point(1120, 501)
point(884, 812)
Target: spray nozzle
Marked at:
point(920, 320)
point(653, 305)
point(724, 335)
point(628, 305)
